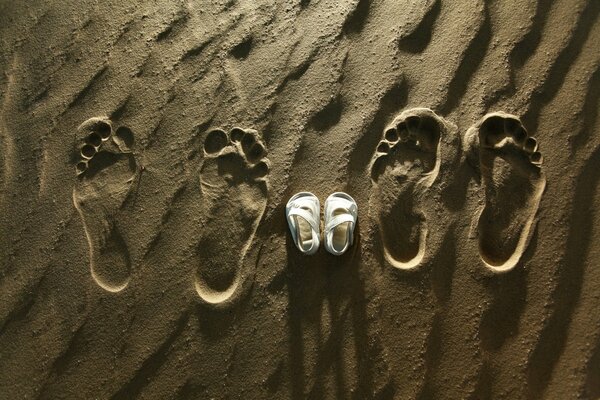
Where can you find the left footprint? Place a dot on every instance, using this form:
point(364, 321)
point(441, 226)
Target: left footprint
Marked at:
point(404, 168)
point(513, 180)
point(106, 173)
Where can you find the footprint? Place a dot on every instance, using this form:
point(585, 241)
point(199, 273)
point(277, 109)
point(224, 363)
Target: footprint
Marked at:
point(510, 166)
point(234, 186)
point(404, 167)
point(106, 174)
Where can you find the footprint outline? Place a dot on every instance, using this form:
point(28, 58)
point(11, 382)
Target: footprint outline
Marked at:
point(100, 148)
point(422, 133)
point(244, 148)
point(502, 135)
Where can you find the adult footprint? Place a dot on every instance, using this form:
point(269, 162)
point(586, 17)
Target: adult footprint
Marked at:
point(106, 174)
point(513, 181)
point(234, 186)
point(403, 170)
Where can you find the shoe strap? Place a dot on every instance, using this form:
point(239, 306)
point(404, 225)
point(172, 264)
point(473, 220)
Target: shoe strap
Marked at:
point(344, 204)
point(337, 220)
point(306, 215)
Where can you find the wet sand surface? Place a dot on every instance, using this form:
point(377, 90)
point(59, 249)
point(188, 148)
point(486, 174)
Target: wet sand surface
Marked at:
point(148, 149)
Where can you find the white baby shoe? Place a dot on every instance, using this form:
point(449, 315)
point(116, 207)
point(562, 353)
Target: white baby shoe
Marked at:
point(303, 216)
point(340, 215)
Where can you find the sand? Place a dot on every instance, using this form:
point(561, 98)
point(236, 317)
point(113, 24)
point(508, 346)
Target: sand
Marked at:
point(148, 149)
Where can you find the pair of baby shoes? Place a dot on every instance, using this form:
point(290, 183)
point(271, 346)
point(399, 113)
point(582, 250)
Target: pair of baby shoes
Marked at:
point(303, 216)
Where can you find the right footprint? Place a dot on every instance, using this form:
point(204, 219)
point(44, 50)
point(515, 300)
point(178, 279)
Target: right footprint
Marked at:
point(513, 182)
point(234, 187)
point(404, 168)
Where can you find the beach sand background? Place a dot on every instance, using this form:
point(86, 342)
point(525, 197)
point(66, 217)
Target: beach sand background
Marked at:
point(148, 149)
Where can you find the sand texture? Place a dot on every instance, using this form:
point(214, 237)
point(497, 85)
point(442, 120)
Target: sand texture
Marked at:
point(148, 150)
